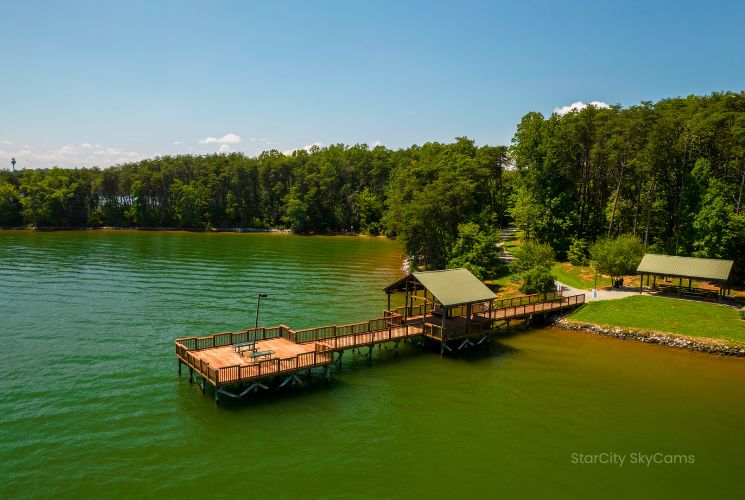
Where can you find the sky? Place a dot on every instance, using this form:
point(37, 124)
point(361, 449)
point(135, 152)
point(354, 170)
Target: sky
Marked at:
point(98, 83)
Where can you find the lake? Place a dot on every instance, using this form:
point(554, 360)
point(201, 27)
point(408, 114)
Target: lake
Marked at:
point(91, 404)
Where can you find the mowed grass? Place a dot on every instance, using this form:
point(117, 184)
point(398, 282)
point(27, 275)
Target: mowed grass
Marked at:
point(583, 277)
point(684, 317)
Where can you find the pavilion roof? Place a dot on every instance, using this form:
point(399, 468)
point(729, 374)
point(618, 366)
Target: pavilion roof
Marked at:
point(450, 287)
point(686, 267)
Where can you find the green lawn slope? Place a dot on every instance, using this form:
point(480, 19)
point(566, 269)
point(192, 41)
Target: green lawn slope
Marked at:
point(684, 317)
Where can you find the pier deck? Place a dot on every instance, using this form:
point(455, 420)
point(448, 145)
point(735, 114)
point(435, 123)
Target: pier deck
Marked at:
point(290, 351)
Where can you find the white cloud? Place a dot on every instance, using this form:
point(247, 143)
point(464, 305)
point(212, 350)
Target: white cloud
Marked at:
point(6, 141)
point(224, 148)
point(226, 139)
point(375, 144)
point(576, 106)
point(178, 143)
point(307, 148)
point(84, 155)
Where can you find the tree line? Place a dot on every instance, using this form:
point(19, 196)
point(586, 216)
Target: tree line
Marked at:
point(671, 173)
point(420, 194)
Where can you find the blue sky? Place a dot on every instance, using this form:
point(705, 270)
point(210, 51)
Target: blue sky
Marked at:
point(95, 83)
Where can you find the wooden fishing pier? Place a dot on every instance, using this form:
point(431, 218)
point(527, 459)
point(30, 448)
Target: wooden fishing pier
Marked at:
point(452, 308)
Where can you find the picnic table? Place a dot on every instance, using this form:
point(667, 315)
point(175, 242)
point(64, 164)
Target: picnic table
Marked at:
point(259, 355)
point(241, 347)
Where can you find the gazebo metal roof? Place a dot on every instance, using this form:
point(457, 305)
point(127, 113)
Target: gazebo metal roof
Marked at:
point(686, 267)
point(450, 287)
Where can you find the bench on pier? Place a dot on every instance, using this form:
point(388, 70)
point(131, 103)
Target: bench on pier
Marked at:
point(245, 346)
point(259, 355)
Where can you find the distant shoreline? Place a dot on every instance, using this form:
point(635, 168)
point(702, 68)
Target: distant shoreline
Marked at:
point(190, 230)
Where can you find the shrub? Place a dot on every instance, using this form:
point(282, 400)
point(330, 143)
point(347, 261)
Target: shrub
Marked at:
point(538, 280)
point(618, 257)
point(530, 255)
point(579, 252)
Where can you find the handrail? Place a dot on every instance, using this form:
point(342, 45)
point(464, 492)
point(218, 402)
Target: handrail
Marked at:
point(229, 338)
point(334, 337)
point(320, 355)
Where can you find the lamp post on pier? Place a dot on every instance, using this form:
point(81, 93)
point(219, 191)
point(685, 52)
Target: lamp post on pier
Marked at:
point(258, 304)
point(13, 162)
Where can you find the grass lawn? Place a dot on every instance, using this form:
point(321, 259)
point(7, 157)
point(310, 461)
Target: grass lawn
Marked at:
point(683, 317)
point(583, 277)
point(503, 285)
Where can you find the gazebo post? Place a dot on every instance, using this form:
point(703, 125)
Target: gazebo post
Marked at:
point(442, 330)
point(468, 319)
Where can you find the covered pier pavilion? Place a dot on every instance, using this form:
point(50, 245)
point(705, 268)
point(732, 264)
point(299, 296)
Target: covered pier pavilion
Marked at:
point(445, 305)
point(662, 271)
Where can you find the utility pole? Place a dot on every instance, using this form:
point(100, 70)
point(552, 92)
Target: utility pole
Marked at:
point(13, 162)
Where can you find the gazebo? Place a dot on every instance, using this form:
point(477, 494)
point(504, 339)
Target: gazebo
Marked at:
point(669, 267)
point(444, 303)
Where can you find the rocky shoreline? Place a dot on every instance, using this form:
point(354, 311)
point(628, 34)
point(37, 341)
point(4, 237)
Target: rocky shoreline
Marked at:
point(712, 346)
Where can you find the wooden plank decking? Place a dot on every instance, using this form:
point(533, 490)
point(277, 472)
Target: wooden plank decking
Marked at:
point(215, 360)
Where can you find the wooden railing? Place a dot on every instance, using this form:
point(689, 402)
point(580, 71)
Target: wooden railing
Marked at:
point(321, 355)
point(514, 311)
point(334, 332)
point(525, 299)
point(229, 338)
point(343, 335)
point(414, 310)
point(371, 337)
point(434, 331)
point(419, 310)
point(200, 365)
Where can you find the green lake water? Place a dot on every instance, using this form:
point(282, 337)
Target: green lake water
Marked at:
point(91, 404)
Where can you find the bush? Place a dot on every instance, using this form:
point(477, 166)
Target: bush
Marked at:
point(538, 280)
point(618, 257)
point(579, 252)
point(530, 255)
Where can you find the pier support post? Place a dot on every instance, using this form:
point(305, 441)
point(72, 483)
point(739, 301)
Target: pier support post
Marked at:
point(328, 373)
point(179, 367)
point(191, 375)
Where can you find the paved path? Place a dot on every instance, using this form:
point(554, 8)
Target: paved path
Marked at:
point(603, 294)
point(504, 236)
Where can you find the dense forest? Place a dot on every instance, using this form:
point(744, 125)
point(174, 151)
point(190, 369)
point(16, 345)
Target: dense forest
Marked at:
point(672, 173)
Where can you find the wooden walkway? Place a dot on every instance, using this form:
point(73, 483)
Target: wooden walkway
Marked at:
point(214, 358)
